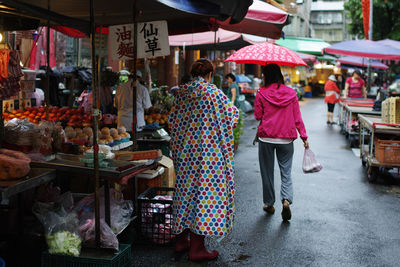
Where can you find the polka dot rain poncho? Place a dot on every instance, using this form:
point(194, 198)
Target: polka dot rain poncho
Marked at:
point(201, 123)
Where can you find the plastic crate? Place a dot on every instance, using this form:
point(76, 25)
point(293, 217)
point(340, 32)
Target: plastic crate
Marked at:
point(391, 110)
point(387, 151)
point(91, 258)
point(308, 94)
point(385, 115)
point(156, 215)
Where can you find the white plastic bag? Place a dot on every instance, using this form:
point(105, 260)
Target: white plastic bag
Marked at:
point(310, 164)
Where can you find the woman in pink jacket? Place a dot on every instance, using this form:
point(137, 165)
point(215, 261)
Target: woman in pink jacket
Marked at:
point(277, 108)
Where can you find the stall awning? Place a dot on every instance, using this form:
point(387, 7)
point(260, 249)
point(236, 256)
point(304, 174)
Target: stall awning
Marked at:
point(361, 62)
point(303, 45)
point(182, 15)
point(262, 19)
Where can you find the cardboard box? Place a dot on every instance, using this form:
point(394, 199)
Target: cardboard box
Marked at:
point(168, 177)
point(138, 155)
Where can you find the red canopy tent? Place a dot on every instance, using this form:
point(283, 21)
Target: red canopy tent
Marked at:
point(262, 19)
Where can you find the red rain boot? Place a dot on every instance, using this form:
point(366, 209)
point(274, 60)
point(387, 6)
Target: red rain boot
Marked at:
point(197, 251)
point(182, 241)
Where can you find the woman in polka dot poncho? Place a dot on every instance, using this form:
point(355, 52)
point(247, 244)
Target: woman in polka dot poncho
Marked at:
point(202, 120)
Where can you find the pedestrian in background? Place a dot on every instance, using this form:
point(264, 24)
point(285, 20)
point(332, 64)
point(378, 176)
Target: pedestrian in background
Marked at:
point(233, 91)
point(332, 95)
point(123, 103)
point(202, 120)
point(355, 86)
point(277, 108)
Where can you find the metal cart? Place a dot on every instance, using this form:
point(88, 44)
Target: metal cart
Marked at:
point(374, 127)
point(350, 111)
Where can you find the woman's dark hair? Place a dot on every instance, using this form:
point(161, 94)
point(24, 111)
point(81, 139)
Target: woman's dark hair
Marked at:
point(357, 72)
point(272, 74)
point(201, 67)
point(186, 78)
point(230, 75)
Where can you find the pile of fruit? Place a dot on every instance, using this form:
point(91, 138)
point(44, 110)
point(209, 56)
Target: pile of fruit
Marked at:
point(74, 117)
point(113, 136)
point(156, 117)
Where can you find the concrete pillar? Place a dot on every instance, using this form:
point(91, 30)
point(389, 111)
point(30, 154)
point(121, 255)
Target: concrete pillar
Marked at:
point(189, 60)
point(169, 69)
point(161, 71)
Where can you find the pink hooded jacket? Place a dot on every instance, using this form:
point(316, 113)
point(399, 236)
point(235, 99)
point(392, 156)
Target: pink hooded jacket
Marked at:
point(279, 112)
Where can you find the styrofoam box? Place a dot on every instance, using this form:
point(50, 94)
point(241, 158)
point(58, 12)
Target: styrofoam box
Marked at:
point(25, 94)
point(27, 85)
point(10, 104)
point(27, 102)
point(29, 74)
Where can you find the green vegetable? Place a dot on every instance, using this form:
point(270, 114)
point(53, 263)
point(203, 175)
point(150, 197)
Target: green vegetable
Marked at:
point(64, 242)
point(238, 131)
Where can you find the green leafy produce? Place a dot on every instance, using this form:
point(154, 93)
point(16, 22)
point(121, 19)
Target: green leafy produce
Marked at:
point(64, 242)
point(238, 131)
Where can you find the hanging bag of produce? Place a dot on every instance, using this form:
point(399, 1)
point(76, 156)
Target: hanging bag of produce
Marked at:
point(310, 163)
point(61, 225)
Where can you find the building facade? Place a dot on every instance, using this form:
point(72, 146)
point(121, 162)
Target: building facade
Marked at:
point(299, 11)
point(328, 21)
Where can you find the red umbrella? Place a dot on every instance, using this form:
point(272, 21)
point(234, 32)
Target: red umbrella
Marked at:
point(266, 53)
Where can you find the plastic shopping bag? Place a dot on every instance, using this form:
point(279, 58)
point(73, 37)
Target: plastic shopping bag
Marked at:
point(310, 164)
point(60, 224)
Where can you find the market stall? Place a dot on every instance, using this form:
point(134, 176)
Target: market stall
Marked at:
point(382, 151)
point(348, 111)
point(93, 160)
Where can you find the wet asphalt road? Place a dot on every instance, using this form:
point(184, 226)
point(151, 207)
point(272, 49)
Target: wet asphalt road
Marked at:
point(338, 218)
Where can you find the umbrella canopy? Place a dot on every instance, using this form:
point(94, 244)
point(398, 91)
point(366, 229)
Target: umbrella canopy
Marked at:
point(262, 19)
point(303, 44)
point(307, 57)
point(362, 62)
point(364, 48)
point(225, 40)
point(388, 42)
point(241, 78)
point(266, 53)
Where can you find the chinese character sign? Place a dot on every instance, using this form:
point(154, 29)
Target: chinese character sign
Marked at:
point(121, 42)
point(152, 38)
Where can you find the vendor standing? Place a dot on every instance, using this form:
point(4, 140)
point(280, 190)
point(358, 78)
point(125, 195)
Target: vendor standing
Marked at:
point(355, 86)
point(123, 103)
point(332, 95)
point(233, 91)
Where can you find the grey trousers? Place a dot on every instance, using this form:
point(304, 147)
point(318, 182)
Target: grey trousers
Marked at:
point(284, 154)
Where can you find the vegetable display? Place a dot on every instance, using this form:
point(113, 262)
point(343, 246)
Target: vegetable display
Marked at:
point(64, 242)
